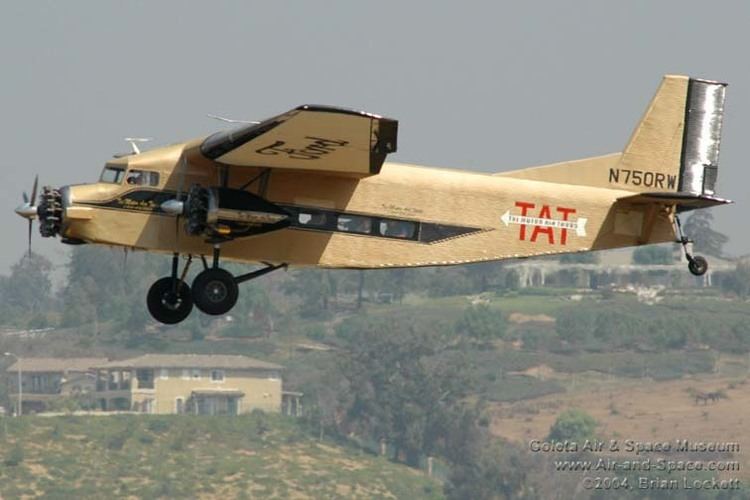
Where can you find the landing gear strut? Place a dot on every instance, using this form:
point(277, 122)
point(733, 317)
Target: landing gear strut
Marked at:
point(169, 300)
point(697, 265)
point(214, 291)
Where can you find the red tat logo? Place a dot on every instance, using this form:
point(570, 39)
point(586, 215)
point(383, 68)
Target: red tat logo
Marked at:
point(544, 224)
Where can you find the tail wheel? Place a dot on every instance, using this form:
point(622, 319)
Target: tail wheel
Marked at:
point(215, 291)
point(698, 265)
point(50, 212)
point(196, 210)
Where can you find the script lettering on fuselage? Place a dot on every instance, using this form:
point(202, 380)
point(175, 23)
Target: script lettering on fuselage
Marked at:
point(543, 224)
point(317, 147)
point(642, 178)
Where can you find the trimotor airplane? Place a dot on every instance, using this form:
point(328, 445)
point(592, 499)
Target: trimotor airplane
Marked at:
point(311, 187)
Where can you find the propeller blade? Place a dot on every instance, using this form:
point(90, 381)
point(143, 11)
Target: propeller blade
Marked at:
point(25, 197)
point(180, 186)
point(33, 190)
point(30, 224)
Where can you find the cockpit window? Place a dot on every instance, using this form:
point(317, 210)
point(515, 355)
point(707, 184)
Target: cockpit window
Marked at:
point(142, 178)
point(112, 175)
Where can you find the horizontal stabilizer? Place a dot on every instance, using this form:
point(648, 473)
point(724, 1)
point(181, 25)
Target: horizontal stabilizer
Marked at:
point(684, 201)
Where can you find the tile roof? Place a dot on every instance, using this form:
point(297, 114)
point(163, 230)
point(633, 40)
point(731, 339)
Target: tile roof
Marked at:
point(55, 364)
point(226, 361)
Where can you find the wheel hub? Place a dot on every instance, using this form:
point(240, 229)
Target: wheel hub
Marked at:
point(171, 300)
point(216, 291)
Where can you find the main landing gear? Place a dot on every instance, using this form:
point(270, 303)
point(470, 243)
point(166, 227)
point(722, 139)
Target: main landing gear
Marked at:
point(214, 291)
point(697, 265)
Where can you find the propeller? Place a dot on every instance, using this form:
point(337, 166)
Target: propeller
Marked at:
point(28, 209)
point(176, 206)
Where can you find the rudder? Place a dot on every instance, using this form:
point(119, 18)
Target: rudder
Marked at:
point(675, 147)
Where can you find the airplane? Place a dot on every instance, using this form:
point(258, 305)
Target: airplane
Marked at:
point(311, 187)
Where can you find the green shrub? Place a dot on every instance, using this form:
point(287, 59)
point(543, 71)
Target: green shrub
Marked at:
point(482, 324)
point(574, 425)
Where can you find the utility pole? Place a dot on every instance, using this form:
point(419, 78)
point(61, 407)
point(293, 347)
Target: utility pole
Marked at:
point(19, 410)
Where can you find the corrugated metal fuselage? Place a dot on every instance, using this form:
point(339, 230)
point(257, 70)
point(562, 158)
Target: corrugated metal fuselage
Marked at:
point(497, 217)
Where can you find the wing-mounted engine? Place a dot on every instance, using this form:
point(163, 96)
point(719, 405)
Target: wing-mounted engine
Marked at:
point(223, 213)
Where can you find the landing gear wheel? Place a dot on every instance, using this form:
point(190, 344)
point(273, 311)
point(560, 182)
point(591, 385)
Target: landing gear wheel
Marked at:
point(167, 305)
point(698, 265)
point(215, 291)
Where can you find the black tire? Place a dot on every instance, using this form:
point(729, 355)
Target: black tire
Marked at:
point(165, 305)
point(698, 265)
point(215, 292)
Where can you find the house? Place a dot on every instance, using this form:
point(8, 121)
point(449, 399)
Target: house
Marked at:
point(191, 384)
point(46, 380)
point(615, 268)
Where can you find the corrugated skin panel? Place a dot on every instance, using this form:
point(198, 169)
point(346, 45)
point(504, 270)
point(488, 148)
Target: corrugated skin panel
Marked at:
point(702, 139)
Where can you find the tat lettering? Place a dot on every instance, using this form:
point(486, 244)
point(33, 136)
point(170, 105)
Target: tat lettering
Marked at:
point(542, 223)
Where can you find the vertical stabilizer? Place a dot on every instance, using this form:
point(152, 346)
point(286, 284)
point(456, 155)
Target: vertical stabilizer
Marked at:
point(675, 147)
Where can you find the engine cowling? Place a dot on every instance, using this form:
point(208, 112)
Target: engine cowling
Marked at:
point(225, 213)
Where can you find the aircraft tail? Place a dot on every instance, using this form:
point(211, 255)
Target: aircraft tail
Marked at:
point(674, 148)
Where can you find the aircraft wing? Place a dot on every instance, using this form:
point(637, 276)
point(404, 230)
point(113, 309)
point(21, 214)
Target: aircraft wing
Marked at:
point(318, 138)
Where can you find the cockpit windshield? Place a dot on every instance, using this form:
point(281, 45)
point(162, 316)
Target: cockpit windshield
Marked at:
point(112, 175)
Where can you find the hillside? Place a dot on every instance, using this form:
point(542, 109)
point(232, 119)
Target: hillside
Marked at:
point(129, 456)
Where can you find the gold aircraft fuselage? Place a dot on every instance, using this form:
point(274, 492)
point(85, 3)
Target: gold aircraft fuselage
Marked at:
point(450, 216)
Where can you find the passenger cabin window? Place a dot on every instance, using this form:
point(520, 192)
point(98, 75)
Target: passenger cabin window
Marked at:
point(112, 175)
point(398, 229)
point(313, 219)
point(354, 224)
point(142, 178)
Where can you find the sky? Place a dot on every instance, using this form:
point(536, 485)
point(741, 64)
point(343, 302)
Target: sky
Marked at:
point(486, 86)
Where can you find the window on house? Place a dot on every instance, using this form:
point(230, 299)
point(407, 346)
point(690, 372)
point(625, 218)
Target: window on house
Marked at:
point(145, 378)
point(179, 406)
point(185, 373)
point(217, 375)
point(196, 373)
point(164, 373)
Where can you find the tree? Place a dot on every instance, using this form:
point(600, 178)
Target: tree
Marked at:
point(315, 288)
point(28, 288)
point(705, 239)
point(482, 324)
point(738, 282)
point(580, 258)
point(573, 425)
point(653, 255)
point(106, 283)
point(403, 384)
point(495, 471)
point(481, 274)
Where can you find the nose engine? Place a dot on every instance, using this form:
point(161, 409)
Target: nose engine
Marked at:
point(50, 212)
